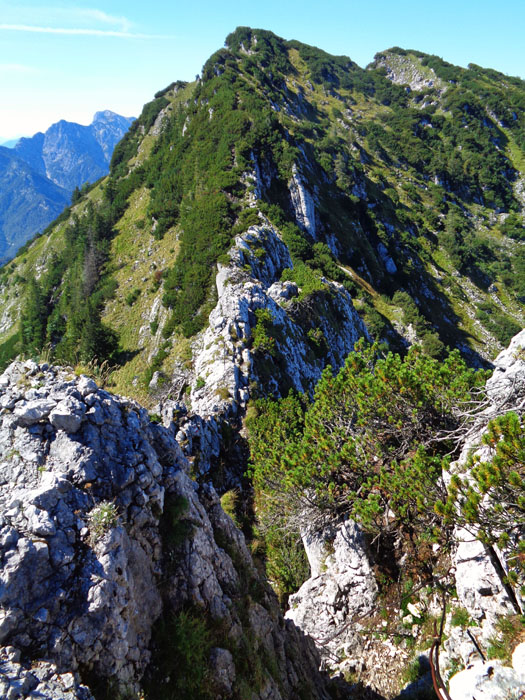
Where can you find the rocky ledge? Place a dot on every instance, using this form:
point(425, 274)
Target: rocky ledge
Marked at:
point(105, 541)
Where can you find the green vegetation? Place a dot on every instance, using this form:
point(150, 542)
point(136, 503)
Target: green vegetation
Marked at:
point(460, 618)
point(372, 445)
point(426, 176)
point(63, 309)
point(490, 501)
point(370, 441)
point(8, 350)
point(262, 341)
point(132, 297)
point(510, 632)
point(369, 446)
point(101, 519)
point(183, 644)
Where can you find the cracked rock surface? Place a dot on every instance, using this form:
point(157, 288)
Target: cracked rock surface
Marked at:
point(89, 490)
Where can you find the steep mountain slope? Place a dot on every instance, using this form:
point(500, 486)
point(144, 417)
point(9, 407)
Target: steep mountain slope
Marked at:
point(39, 174)
point(316, 189)
point(70, 154)
point(254, 225)
point(28, 201)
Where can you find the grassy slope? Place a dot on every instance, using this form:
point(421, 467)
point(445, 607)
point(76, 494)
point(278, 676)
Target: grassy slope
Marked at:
point(136, 255)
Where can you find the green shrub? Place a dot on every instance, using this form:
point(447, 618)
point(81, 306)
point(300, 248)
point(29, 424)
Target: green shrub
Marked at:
point(262, 341)
point(200, 383)
point(368, 445)
point(182, 644)
point(132, 296)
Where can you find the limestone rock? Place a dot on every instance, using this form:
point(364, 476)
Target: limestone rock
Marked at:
point(102, 531)
point(478, 583)
point(342, 588)
point(29, 412)
point(223, 355)
point(67, 415)
point(303, 203)
point(405, 70)
point(38, 681)
point(487, 681)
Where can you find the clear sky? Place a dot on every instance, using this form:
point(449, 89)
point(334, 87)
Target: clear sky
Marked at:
point(67, 59)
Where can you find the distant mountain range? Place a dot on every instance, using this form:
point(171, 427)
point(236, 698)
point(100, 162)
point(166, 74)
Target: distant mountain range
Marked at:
point(38, 174)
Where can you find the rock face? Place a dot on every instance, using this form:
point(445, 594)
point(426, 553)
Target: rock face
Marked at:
point(225, 358)
point(20, 680)
point(488, 681)
point(70, 154)
point(479, 586)
point(407, 70)
point(230, 369)
point(101, 533)
point(303, 204)
point(342, 588)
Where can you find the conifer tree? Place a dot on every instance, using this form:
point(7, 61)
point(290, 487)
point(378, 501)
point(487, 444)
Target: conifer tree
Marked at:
point(33, 319)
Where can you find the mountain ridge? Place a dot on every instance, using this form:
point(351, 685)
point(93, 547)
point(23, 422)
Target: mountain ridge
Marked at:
point(421, 261)
point(255, 224)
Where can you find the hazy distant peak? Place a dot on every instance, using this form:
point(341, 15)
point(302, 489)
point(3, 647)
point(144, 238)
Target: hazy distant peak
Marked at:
point(107, 115)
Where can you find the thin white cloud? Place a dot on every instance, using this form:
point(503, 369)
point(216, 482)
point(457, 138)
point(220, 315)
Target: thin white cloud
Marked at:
point(76, 31)
point(16, 68)
point(20, 13)
point(103, 17)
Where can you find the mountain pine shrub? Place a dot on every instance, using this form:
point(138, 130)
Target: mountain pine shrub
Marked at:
point(488, 498)
point(368, 446)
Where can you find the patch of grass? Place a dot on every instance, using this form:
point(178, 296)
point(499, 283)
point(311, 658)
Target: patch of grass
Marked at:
point(182, 643)
point(229, 502)
point(460, 618)
point(511, 631)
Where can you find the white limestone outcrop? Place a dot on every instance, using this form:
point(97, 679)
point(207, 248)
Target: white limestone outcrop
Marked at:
point(224, 358)
point(479, 585)
point(342, 589)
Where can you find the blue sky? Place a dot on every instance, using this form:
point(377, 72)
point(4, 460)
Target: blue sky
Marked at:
point(69, 59)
